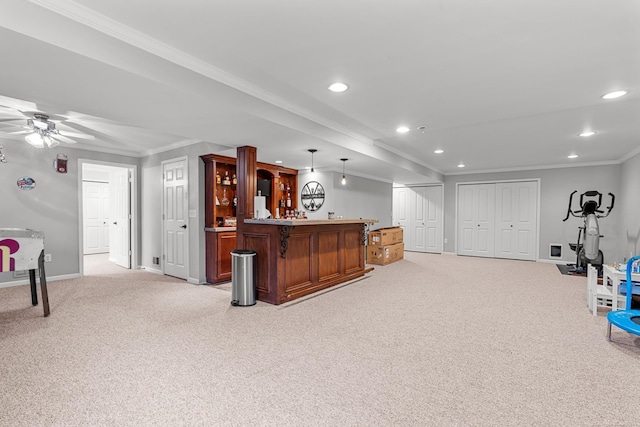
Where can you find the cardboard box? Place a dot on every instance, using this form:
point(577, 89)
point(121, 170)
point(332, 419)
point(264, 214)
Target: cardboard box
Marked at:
point(383, 255)
point(385, 236)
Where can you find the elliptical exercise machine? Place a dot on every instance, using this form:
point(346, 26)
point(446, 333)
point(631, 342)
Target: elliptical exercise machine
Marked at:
point(589, 251)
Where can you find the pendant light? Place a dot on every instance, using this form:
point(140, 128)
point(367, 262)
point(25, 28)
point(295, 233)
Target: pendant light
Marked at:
point(312, 150)
point(344, 178)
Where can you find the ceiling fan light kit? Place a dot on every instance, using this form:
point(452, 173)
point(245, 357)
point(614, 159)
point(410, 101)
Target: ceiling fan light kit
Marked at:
point(37, 128)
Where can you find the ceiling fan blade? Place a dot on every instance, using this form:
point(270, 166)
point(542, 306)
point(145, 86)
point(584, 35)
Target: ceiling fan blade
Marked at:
point(18, 132)
point(14, 122)
point(17, 104)
point(63, 138)
point(75, 135)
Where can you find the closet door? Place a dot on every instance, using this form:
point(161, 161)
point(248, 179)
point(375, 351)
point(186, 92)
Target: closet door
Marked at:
point(431, 218)
point(419, 211)
point(516, 220)
point(400, 214)
point(476, 220)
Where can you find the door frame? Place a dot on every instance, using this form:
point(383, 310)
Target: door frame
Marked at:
point(500, 181)
point(133, 206)
point(162, 215)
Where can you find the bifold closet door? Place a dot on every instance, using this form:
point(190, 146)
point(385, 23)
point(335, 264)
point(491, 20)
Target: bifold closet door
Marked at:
point(419, 212)
point(498, 220)
point(516, 220)
point(427, 219)
point(400, 214)
point(476, 220)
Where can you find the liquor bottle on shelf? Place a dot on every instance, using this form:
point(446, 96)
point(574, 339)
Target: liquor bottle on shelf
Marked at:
point(218, 179)
point(226, 180)
point(234, 180)
point(235, 199)
point(225, 201)
point(288, 200)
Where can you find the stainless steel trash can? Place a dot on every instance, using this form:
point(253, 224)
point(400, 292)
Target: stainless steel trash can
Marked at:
point(243, 276)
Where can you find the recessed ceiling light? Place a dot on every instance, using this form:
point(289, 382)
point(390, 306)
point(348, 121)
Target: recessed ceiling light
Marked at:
point(278, 162)
point(587, 133)
point(338, 87)
point(461, 165)
point(572, 156)
point(438, 151)
point(615, 94)
point(402, 129)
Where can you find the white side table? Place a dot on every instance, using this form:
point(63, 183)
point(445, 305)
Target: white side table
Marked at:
point(616, 276)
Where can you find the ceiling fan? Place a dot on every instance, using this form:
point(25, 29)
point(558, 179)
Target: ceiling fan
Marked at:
point(40, 131)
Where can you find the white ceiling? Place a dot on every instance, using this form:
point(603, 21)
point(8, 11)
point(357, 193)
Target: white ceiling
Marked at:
point(499, 84)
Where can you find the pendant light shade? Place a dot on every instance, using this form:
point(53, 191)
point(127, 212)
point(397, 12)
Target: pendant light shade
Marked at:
point(344, 177)
point(312, 150)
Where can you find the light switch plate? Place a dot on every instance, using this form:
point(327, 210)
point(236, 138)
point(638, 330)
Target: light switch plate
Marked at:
point(192, 213)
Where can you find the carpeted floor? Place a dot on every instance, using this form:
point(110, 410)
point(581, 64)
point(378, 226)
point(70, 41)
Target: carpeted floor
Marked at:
point(431, 340)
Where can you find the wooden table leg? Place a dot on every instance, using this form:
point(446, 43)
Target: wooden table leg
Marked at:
point(43, 285)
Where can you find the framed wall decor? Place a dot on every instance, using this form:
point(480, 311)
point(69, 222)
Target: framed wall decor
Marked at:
point(312, 196)
point(26, 183)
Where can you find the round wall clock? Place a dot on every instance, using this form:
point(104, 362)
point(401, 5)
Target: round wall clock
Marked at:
point(312, 196)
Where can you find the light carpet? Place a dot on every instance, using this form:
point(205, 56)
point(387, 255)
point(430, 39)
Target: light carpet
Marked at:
point(431, 340)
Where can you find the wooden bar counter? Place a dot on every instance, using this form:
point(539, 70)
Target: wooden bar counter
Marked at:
point(297, 257)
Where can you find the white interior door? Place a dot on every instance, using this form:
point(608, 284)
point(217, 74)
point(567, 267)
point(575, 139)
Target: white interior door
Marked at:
point(516, 220)
point(120, 207)
point(418, 210)
point(433, 218)
point(476, 220)
point(400, 215)
point(95, 209)
point(175, 212)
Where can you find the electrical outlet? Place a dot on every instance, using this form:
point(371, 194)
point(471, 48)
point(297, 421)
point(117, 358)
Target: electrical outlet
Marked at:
point(47, 257)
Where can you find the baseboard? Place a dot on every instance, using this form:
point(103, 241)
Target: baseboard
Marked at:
point(151, 270)
point(195, 281)
point(553, 261)
point(49, 279)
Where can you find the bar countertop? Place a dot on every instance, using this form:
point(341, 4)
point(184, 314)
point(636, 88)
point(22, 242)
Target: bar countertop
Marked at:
point(219, 229)
point(302, 222)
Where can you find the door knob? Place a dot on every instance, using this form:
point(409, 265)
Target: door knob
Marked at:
point(115, 223)
point(183, 226)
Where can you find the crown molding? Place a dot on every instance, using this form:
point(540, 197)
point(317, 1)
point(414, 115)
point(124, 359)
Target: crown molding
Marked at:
point(90, 18)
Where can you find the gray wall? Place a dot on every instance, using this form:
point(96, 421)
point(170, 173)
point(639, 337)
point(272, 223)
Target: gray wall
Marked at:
point(630, 208)
point(53, 206)
point(359, 198)
point(555, 187)
point(151, 207)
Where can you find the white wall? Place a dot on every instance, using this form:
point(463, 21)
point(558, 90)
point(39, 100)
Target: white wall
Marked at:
point(555, 187)
point(359, 198)
point(53, 206)
point(151, 209)
point(630, 208)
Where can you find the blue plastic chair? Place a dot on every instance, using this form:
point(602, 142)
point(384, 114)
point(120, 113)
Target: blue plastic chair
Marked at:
point(627, 319)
